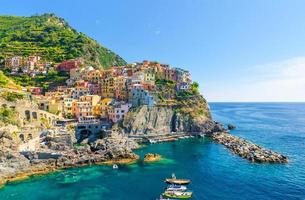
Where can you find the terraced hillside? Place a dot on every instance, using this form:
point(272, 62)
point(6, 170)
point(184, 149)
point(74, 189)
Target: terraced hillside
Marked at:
point(6, 82)
point(53, 39)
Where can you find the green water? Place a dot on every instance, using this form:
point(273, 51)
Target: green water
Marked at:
point(215, 172)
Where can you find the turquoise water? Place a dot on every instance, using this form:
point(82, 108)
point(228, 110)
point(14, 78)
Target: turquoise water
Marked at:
point(215, 172)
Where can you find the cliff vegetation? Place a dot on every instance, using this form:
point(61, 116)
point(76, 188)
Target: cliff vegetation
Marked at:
point(52, 38)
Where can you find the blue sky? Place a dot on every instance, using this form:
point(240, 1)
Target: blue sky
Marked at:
point(237, 50)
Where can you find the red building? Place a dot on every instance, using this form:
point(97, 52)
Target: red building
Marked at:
point(66, 66)
point(35, 90)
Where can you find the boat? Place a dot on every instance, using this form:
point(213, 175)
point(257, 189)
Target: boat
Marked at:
point(151, 141)
point(176, 188)
point(178, 194)
point(115, 166)
point(176, 181)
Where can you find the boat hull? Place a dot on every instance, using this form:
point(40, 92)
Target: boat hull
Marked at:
point(177, 181)
point(185, 195)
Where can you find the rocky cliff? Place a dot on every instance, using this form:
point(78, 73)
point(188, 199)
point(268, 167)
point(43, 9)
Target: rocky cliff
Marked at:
point(191, 115)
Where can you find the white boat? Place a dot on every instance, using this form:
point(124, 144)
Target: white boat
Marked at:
point(178, 194)
point(151, 141)
point(115, 166)
point(176, 188)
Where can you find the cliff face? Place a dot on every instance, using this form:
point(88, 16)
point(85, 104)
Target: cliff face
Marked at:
point(191, 115)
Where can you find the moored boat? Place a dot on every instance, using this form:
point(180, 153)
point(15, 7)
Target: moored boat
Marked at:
point(176, 181)
point(178, 194)
point(176, 188)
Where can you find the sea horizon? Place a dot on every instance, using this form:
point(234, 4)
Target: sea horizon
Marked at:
point(152, 100)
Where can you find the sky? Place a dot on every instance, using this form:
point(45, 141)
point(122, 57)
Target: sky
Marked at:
point(248, 51)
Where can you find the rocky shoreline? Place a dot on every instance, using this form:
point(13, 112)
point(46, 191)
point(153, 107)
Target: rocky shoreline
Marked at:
point(248, 150)
point(33, 171)
point(57, 153)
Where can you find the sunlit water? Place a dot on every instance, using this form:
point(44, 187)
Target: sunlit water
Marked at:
point(215, 172)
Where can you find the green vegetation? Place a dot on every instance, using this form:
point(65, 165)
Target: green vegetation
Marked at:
point(8, 115)
point(53, 39)
point(195, 88)
point(78, 145)
point(51, 79)
point(166, 83)
point(6, 82)
point(11, 96)
point(168, 94)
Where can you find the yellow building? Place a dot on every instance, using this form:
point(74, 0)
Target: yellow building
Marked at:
point(55, 106)
point(104, 105)
point(94, 76)
point(67, 106)
point(92, 99)
point(149, 76)
point(107, 87)
point(97, 110)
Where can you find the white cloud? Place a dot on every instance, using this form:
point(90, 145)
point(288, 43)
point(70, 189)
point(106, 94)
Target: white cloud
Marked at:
point(278, 81)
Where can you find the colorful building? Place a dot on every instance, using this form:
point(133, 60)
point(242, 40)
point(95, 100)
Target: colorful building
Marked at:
point(149, 76)
point(107, 87)
point(93, 76)
point(81, 89)
point(117, 111)
point(81, 109)
point(92, 99)
point(35, 90)
point(66, 66)
point(139, 96)
point(182, 76)
point(67, 106)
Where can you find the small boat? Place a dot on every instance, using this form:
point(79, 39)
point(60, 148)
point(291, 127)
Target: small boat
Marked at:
point(115, 166)
point(176, 188)
point(178, 194)
point(151, 141)
point(176, 181)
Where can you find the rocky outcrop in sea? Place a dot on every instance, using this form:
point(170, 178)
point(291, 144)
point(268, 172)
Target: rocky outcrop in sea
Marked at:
point(247, 149)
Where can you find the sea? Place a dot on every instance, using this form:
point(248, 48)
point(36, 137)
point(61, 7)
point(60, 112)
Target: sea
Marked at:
point(215, 172)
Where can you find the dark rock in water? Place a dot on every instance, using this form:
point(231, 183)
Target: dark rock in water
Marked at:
point(247, 149)
point(231, 127)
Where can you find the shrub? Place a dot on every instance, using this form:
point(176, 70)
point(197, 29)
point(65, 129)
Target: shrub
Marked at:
point(12, 96)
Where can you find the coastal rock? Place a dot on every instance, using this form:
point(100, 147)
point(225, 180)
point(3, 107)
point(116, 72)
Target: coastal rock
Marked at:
point(152, 157)
point(189, 116)
point(231, 127)
point(247, 149)
point(115, 147)
point(57, 152)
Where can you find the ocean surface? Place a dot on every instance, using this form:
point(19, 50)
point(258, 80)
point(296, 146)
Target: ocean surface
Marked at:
point(215, 172)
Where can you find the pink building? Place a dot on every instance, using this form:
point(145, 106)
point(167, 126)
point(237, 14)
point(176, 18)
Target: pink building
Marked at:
point(117, 111)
